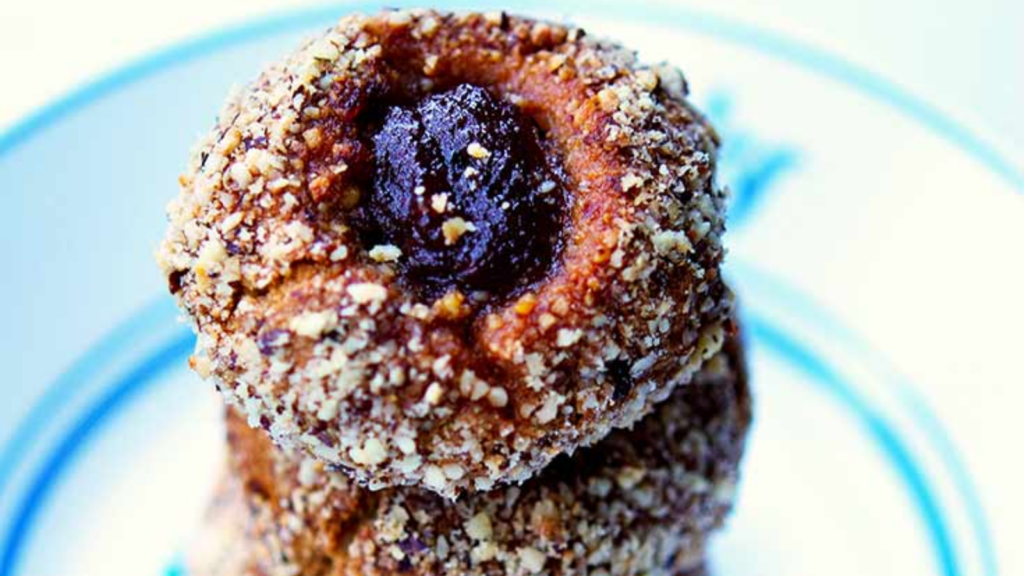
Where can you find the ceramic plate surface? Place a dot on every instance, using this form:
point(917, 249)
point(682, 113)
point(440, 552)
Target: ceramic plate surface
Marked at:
point(874, 243)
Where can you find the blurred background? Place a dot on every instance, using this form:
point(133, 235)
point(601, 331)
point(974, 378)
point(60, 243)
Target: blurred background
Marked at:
point(964, 56)
point(873, 148)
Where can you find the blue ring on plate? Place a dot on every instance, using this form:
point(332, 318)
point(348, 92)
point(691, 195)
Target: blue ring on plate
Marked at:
point(115, 397)
point(822, 320)
point(828, 65)
point(174, 352)
point(800, 53)
point(56, 394)
point(894, 448)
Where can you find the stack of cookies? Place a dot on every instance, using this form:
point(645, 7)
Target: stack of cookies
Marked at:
point(457, 277)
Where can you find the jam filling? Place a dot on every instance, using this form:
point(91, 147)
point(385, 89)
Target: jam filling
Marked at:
point(463, 187)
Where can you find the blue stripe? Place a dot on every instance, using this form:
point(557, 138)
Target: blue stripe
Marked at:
point(751, 185)
point(827, 65)
point(46, 410)
point(177, 568)
point(159, 61)
point(894, 449)
point(818, 316)
point(934, 431)
point(123, 391)
point(774, 338)
point(839, 69)
point(802, 54)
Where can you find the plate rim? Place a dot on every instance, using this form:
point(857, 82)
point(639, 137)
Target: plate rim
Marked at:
point(803, 55)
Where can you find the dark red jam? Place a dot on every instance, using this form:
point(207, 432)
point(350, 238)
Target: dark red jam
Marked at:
point(463, 186)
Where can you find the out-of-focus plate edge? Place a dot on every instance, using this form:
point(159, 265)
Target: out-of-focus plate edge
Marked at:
point(984, 148)
point(990, 149)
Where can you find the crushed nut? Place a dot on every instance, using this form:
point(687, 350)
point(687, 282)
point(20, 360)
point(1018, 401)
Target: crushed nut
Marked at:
point(454, 228)
point(385, 253)
point(477, 151)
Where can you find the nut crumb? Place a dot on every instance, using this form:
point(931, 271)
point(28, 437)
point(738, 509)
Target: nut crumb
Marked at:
point(567, 337)
point(313, 324)
point(434, 477)
point(434, 394)
point(366, 292)
point(385, 253)
point(498, 397)
point(668, 241)
point(630, 181)
point(526, 303)
point(532, 559)
point(455, 228)
point(439, 202)
point(339, 253)
point(477, 151)
point(372, 453)
point(479, 527)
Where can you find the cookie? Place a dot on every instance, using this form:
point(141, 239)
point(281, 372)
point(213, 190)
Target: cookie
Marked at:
point(441, 250)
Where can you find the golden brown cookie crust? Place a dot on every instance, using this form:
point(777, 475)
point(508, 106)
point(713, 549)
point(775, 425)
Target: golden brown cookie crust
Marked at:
point(639, 502)
point(315, 337)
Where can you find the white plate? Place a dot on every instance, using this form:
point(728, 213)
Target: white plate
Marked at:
point(874, 242)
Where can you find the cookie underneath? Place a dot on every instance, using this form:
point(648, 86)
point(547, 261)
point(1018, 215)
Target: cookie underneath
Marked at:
point(642, 501)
